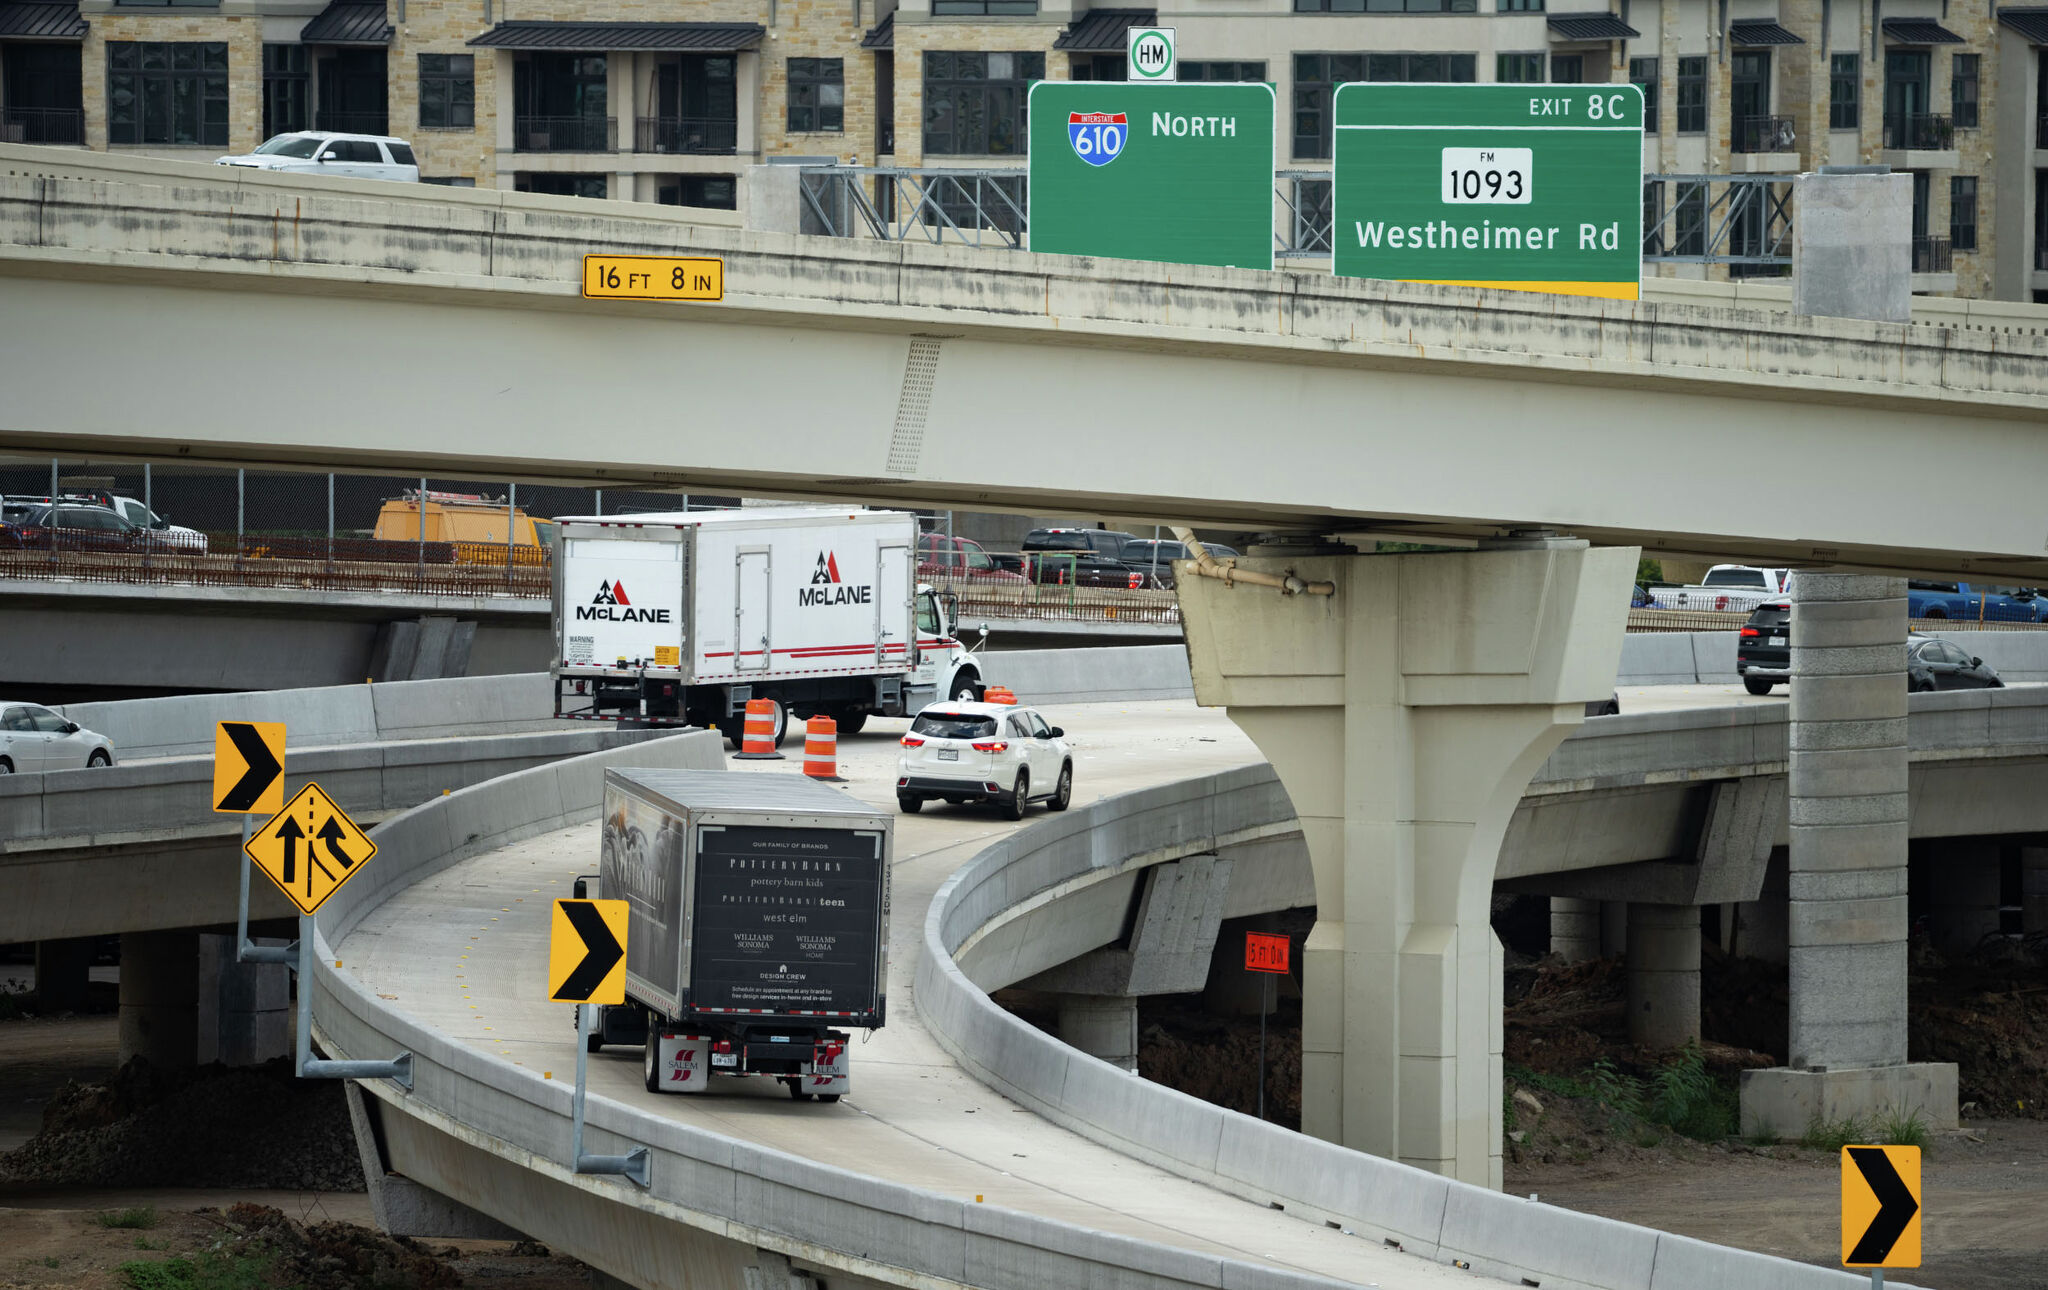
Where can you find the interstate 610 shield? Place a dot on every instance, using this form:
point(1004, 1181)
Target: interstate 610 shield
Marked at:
point(1527, 187)
point(1179, 173)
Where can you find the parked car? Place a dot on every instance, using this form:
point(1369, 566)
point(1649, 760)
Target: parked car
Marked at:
point(941, 556)
point(323, 152)
point(1154, 558)
point(72, 526)
point(1974, 602)
point(984, 752)
point(1735, 587)
point(34, 739)
point(155, 527)
point(1936, 664)
point(1763, 649)
point(1107, 542)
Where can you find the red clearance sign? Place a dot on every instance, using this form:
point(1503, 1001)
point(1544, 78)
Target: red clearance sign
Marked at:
point(1265, 952)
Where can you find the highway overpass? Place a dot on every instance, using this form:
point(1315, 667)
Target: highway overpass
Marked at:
point(834, 368)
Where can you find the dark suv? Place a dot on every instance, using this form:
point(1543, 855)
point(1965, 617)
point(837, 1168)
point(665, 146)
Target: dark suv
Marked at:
point(1763, 652)
point(1105, 542)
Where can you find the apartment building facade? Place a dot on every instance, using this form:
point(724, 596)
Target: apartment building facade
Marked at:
point(672, 100)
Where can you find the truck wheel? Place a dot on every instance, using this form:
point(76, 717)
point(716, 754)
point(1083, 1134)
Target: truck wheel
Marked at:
point(1756, 685)
point(965, 690)
point(594, 1041)
point(1014, 808)
point(796, 1090)
point(851, 723)
point(909, 805)
point(735, 731)
point(650, 1073)
point(828, 1097)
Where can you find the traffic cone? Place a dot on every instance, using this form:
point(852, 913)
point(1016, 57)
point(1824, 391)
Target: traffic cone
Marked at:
point(998, 694)
point(758, 741)
point(821, 750)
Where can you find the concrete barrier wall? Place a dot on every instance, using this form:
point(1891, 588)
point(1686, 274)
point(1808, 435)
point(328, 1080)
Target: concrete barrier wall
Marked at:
point(1377, 1199)
point(1094, 675)
point(760, 1198)
point(1708, 658)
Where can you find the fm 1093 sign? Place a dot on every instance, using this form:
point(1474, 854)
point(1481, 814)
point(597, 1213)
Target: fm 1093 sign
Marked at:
point(1179, 173)
point(1527, 187)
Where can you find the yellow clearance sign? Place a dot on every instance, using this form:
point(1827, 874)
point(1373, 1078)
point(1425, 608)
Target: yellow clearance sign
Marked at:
point(310, 848)
point(1881, 1207)
point(653, 277)
point(248, 767)
point(587, 952)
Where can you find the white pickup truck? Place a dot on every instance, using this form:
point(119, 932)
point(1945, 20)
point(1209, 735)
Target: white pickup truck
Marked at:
point(1731, 588)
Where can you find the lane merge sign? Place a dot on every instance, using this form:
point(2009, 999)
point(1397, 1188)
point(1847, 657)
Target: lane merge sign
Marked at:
point(248, 767)
point(1179, 173)
point(1265, 952)
point(587, 952)
point(1524, 187)
point(1881, 1207)
point(310, 848)
point(653, 277)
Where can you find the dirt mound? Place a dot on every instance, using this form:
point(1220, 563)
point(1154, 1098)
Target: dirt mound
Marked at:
point(215, 1127)
point(342, 1256)
point(1217, 1058)
point(1988, 1013)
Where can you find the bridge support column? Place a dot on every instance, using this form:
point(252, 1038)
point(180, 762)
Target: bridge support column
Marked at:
point(1663, 975)
point(1405, 715)
point(1847, 870)
point(1963, 885)
point(160, 998)
point(245, 1009)
point(1574, 929)
point(63, 974)
point(2033, 890)
point(1102, 1025)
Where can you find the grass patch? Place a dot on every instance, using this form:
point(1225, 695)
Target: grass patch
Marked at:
point(202, 1272)
point(140, 1220)
point(1901, 1128)
point(1763, 1135)
point(1561, 1085)
point(1832, 1135)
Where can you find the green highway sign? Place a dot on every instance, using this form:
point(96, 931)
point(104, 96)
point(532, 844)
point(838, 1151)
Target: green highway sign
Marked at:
point(1179, 173)
point(1528, 187)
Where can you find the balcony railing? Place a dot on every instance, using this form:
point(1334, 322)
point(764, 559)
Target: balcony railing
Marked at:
point(716, 136)
point(1764, 134)
point(42, 125)
point(1933, 255)
point(565, 134)
point(352, 122)
point(1926, 133)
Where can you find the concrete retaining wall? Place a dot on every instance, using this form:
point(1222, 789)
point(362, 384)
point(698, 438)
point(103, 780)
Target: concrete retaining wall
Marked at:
point(1708, 658)
point(1377, 1199)
point(1096, 675)
point(752, 1196)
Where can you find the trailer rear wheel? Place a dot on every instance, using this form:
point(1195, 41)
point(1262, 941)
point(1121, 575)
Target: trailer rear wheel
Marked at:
point(851, 723)
point(650, 1072)
point(828, 1097)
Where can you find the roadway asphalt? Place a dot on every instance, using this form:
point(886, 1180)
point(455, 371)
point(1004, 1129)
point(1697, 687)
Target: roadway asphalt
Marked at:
point(466, 952)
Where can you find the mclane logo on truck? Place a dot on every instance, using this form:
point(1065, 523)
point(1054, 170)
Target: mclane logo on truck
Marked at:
point(611, 605)
point(827, 589)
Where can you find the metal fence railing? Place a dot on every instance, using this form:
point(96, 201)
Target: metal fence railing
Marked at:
point(1764, 134)
point(1933, 255)
point(565, 134)
point(42, 125)
point(1921, 132)
point(999, 596)
point(688, 135)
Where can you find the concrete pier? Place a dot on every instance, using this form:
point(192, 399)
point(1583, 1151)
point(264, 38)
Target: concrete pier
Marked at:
point(1102, 1025)
point(1574, 929)
point(1663, 975)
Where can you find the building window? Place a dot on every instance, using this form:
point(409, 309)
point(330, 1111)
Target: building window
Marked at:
point(718, 192)
point(974, 103)
point(1387, 6)
point(562, 185)
point(1963, 91)
point(449, 181)
point(1102, 67)
point(817, 96)
point(1317, 76)
point(1214, 71)
point(1692, 94)
point(977, 9)
point(1845, 91)
point(1567, 69)
point(284, 89)
point(1643, 73)
point(447, 92)
point(167, 93)
point(1521, 6)
point(1962, 212)
point(1518, 69)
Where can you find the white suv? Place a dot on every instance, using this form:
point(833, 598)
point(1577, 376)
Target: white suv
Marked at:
point(984, 752)
point(319, 152)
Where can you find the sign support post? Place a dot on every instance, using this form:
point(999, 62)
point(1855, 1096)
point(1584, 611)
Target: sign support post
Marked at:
point(1265, 986)
point(634, 1164)
point(1266, 953)
point(244, 951)
point(398, 1068)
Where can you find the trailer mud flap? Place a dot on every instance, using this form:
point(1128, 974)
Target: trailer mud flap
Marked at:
point(684, 1063)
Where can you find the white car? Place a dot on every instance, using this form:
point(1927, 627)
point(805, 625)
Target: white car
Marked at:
point(34, 739)
point(984, 752)
point(156, 530)
point(321, 152)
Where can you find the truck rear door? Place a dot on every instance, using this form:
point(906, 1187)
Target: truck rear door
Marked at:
point(892, 604)
point(751, 625)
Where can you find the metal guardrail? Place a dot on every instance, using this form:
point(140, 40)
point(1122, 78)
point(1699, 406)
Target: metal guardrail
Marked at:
point(1017, 597)
point(688, 135)
point(1925, 132)
point(300, 564)
point(42, 125)
point(565, 134)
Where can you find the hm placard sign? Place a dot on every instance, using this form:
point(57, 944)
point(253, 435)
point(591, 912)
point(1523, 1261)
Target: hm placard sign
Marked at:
point(1526, 187)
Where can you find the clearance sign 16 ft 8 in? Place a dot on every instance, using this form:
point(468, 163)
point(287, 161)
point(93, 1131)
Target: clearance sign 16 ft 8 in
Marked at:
point(1527, 187)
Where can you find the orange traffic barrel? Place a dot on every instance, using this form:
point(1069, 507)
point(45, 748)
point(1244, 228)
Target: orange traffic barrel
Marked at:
point(821, 749)
point(998, 694)
point(758, 739)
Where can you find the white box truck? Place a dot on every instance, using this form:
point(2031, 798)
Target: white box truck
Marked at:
point(758, 925)
point(681, 618)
